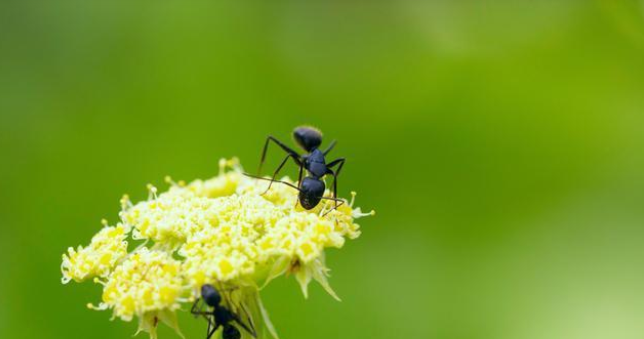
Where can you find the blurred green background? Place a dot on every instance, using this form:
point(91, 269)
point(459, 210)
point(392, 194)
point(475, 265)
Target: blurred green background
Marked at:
point(501, 143)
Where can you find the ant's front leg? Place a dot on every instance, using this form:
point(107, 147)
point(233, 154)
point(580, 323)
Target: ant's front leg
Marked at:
point(198, 310)
point(279, 168)
point(296, 156)
point(299, 162)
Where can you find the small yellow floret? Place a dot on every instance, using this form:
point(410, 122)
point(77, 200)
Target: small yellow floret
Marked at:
point(107, 247)
point(147, 281)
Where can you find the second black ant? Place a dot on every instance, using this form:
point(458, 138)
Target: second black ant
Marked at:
point(220, 315)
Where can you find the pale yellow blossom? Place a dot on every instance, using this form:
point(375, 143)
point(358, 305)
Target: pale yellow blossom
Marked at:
point(227, 231)
point(107, 247)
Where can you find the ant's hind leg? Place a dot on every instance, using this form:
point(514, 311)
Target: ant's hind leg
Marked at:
point(299, 182)
point(211, 331)
point(286, 149)
point(252, 331)
point(299, 176)
point(208, 335)
point(249, 328)
point(337, 162)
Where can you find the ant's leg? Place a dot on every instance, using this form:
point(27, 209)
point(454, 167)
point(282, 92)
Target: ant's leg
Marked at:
point(336, 204)
point(226, 296)
point(196, 310)
point(250, 322)
point(203, 314)
point(328, 149)
point(237, 319)
point(299, 182)
point(286, 149)
point(208, 329)
point(193, 309)
point(249, 328)
point(244, 326)
point(299, 176)
point(279, 168)
point(338, 162)
point(282, 182)
point(335, 189)
point(214, 329)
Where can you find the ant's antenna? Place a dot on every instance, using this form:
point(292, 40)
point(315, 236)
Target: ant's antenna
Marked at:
point(280, 181)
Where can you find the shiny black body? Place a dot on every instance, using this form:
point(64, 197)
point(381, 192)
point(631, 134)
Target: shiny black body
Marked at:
point(219, 316)
point(312, 187)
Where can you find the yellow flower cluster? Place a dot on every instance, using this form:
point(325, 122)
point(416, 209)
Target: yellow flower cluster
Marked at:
point(227, 230)
point(98, 259)
point(145, 282)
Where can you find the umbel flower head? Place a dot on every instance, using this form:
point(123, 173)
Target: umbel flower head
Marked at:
point(225, 231)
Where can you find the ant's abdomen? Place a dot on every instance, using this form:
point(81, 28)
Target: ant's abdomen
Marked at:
point(230, 332)
point(311, 192)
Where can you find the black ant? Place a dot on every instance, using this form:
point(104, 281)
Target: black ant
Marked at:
point(312, 187)
point(219, 316)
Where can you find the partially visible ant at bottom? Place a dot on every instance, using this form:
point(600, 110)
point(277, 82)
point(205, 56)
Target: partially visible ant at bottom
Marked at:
point(220, 315)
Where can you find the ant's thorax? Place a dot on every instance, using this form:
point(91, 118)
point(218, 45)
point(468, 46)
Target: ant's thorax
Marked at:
point(315, 163)
point(222, 314)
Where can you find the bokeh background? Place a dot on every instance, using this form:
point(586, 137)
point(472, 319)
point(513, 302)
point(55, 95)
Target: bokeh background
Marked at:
point(501, 143)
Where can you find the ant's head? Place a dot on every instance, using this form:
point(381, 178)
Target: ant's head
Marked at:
point(210, 295)
point(309, 138)
point(311, 192)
